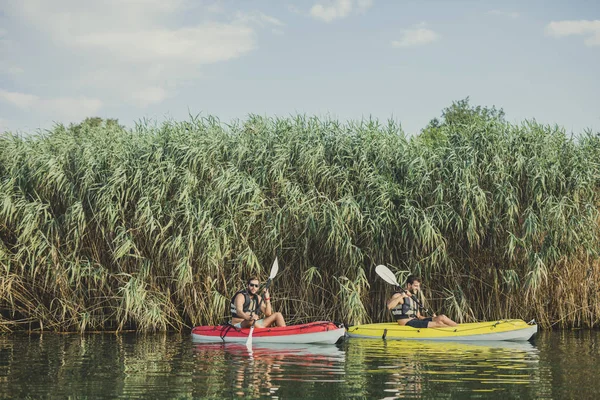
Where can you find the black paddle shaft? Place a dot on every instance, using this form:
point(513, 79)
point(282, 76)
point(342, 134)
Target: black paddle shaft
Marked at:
point(413, 297)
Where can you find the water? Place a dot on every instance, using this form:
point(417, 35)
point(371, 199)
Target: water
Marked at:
point(558, 365)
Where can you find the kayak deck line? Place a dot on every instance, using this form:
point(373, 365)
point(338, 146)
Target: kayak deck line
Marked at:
point(281, 330)
point(446, 329)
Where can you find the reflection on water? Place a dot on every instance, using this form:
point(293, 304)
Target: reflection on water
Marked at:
point(271, 370)
point(558, 365)
point(430, 369)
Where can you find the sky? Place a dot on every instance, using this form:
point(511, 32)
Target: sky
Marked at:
point(64, 60)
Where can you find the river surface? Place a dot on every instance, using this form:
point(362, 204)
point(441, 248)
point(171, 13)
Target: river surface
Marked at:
point(558, 365)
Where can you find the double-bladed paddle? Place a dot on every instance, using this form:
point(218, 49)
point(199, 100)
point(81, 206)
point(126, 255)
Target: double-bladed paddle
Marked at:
point(274, 270)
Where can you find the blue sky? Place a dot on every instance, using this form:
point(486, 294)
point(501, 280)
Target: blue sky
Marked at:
point(63, 60)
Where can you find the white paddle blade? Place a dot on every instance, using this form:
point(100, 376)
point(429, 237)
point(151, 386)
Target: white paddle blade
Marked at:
point(274, 269)
point(387, 275)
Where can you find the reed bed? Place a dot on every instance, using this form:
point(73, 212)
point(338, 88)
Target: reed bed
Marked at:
point(154, 228)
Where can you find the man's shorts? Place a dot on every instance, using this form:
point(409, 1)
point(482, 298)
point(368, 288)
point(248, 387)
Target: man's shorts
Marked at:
point(418, 323)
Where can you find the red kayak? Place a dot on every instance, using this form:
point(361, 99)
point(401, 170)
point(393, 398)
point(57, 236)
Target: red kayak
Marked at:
point(314, 332)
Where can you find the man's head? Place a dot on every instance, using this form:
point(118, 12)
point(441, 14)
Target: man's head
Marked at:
point(253, 284)
point(413, 284)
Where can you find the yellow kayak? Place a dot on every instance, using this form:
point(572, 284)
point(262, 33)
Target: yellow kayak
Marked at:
point(508, 329)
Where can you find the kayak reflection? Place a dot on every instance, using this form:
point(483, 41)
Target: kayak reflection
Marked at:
point(458, 347)
point(276, 349)
point(261, 370)
point(418, 368)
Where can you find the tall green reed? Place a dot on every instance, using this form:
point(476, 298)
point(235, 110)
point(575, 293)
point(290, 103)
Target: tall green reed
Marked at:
point(155, 227)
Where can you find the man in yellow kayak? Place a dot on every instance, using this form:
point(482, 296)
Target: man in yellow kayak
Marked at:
point(247, 308)
point(405, 308)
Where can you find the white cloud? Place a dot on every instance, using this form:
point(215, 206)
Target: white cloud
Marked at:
point(140, 31)
point(21, 100)
point(205, 44)
point(134, 50)
point(71, 108)
point(588, 28)
point(416, 37)
point(150, 95)
point(258, 18)
point(509, 14)
point(338, 9)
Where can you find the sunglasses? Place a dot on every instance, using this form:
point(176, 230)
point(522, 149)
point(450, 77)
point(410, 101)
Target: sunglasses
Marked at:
point(253, 285)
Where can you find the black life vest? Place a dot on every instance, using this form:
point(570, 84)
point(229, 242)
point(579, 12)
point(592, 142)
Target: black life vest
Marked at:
point(250, 305)
point(407, 309)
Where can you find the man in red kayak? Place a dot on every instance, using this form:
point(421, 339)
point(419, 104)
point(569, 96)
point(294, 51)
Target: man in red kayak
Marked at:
point(406, 311)
point(247, 308)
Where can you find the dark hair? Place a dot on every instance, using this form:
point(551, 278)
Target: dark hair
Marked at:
point(254, 278)
point(412, 279)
